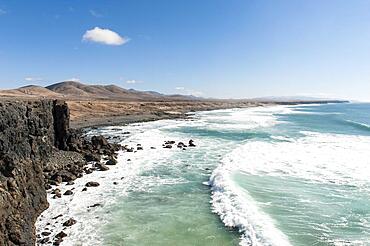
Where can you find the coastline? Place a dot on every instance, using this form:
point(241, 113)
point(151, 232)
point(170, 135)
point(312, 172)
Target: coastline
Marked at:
point(66, 139)
point(118, 180)
point(85, 114)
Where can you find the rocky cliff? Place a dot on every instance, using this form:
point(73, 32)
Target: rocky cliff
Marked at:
point(29, 133)
point(38, 151)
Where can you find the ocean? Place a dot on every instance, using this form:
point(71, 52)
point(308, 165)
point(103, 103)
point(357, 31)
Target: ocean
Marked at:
point(277, 175)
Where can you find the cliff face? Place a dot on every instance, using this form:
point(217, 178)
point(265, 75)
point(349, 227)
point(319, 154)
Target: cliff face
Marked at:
point(29, 132)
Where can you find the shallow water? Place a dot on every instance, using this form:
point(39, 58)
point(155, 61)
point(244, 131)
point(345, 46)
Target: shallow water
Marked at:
point(282, 175)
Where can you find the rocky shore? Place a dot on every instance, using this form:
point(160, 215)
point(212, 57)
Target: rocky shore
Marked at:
point(38, 151)
point(41, 157)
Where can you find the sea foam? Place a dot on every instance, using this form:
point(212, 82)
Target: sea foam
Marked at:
point(316, 157)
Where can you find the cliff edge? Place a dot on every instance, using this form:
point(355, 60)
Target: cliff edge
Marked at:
point(29, 132)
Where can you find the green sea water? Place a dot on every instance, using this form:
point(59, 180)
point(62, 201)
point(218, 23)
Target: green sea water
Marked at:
point(264, 176)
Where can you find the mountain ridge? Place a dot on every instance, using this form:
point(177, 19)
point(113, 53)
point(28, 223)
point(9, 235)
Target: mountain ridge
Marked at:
point(77, 90)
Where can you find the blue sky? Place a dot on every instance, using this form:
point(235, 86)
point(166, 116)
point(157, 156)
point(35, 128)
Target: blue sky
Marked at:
point(213, 48)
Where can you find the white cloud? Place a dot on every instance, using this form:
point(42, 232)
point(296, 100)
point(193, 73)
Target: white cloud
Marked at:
point(2, 12)
point(104, 36)
point(95, 13)
point(186, 91)
point(133, 81)
point(31, 79)
point(73, 80)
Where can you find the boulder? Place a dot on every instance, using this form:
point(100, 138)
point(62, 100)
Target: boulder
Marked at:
point(66, 176)
point(92, 157)
point(45, 233)
point(191, 143)
point(92, 184)
point(68, 193)
point(181, 145)
point(61, 234)
point(111, 162)
point(70, 222)
point(99, 142)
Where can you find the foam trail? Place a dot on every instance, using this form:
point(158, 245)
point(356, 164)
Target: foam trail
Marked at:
point(318, 158)
point(359, 124)
point(237, 209)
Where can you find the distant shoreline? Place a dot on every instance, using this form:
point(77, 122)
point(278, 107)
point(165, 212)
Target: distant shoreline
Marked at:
point(114, 114)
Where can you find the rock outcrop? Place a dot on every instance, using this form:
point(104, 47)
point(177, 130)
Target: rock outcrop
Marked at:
point(38, 150)
point(27, 136)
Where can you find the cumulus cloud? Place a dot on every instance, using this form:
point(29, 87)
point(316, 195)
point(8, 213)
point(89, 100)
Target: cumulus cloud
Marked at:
point(180, 88)
point(31, 79)
point(2, 12)
point(104, 36)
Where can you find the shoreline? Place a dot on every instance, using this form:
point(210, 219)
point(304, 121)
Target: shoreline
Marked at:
point(94, 206)
point(51, 119)
point(92, 114)
point(94, 199)
point(118, 178)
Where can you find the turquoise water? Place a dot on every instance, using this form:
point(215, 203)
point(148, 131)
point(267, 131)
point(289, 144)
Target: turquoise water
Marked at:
point(281, 175)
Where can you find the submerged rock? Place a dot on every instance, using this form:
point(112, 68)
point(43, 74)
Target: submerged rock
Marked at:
point(68, 193)
point(111, 162)
point(45, 233)
point(191, 143)
point(70, 222)
point(92, 184)
point(61, 234)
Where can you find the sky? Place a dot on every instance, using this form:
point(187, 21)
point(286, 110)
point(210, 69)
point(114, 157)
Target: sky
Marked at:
point(209, 48)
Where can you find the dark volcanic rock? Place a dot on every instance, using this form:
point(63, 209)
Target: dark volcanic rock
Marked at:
point(61, 234)
point(61, 124)
point(68, 193)
point(92, 157)
point(99, 142)
point(70, 222)
point(45, 233)
point(92, 184)
point(111, 162)
point(191, 143)
point(26, 139)
point(37, 150)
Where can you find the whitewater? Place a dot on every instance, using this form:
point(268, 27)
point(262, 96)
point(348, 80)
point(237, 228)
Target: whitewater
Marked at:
point(277, 175)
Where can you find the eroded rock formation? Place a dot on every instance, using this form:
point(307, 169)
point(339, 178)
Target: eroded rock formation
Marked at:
point(27, 137)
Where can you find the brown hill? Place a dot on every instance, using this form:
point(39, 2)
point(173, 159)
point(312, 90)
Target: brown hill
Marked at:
point(76, 89)
point(71, 90)
point(29, 91)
